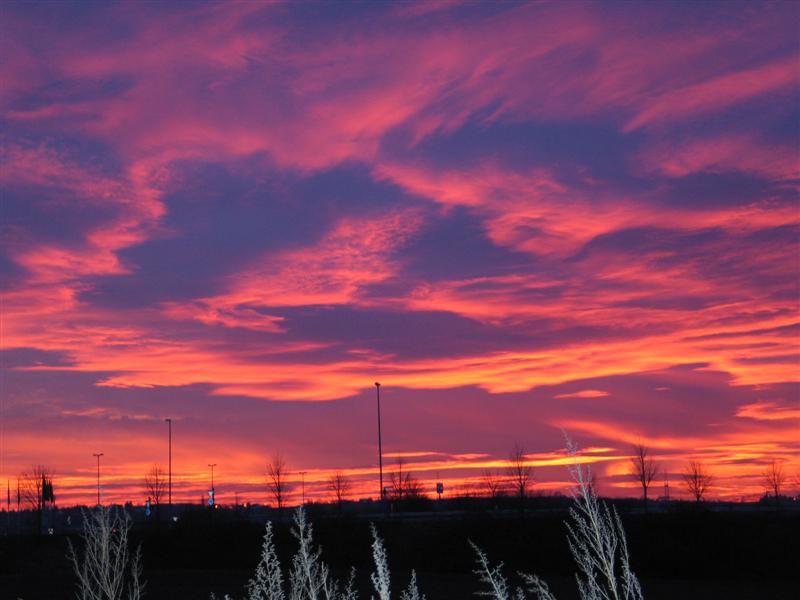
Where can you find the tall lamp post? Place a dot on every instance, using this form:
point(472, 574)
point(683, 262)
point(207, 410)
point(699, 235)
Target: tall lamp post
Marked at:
point(380, 443)
point(212, 475)
point(169, 495)
point(97, 456)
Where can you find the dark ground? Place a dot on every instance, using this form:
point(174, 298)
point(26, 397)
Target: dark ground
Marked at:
point(683, 554)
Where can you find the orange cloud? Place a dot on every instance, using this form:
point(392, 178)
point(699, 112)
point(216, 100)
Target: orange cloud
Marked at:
point(768, 411)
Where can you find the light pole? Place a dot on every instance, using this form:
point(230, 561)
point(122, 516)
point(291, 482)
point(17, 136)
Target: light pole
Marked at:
point(97, 456)
point(380, 443)
point(303, 485)
point(169, 495)
point(212, 475)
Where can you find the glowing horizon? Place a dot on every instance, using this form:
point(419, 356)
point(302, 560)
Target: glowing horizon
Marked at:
point(519, 217)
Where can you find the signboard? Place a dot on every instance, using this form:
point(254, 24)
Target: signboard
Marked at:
point(211, 497)
point(440, 488)
point(147, 508)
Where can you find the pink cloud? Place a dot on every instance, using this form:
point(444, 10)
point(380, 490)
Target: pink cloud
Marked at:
point(726, 153)
point(718, 93)
point(227, 83)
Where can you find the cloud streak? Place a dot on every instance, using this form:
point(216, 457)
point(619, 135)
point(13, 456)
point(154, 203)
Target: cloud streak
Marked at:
point(261, 207)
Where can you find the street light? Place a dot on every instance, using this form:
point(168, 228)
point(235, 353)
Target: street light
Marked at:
point(303, 484)
point(380, 446)
point(212, 475)
point(169, 423)
point(97, 456)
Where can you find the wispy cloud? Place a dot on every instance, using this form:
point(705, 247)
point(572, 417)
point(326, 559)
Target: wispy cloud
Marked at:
point(256, 208)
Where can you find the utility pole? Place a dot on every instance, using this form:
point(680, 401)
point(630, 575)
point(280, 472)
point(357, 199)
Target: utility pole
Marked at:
point(98, 476)
point(303, 484)
point(169, 495)
point(380, 443)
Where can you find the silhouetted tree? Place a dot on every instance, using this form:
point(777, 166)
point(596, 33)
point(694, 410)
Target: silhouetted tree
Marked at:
point(774, 480)
point(643, 468)
point(339, 485)
point(413, 487)
point(697, 479)
point(36, 490)
point(155, 486)
point(520, 473)
point(277, 481)
point(397, 480)
point(492, 483)
point(404, 485)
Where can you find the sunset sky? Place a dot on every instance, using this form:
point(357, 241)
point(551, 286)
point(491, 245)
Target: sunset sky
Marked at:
point(518, 217)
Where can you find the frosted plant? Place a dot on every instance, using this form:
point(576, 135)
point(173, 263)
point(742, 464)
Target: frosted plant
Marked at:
point(309, 578)
point(267, 583)
point(412, 591)
point(381, 577)
point(106, 570)
point(538, 587)
point(597, 542)
point(493, 578)
point(349, 591)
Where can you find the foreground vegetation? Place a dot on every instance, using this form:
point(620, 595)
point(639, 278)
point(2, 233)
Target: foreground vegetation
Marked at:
point(106, 570)
point(694, 543)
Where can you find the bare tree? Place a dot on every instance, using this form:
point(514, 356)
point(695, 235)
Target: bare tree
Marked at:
point(277, 480)
point(396, 480)
point(404, 485)
point(697, 479)
point(492, 483)
point(35, 488)
point(520, 473)
point(339, 485)
point(106, 570)
point(774, 479)
point(643, 468)
point(413, 487)
point(155, 484)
